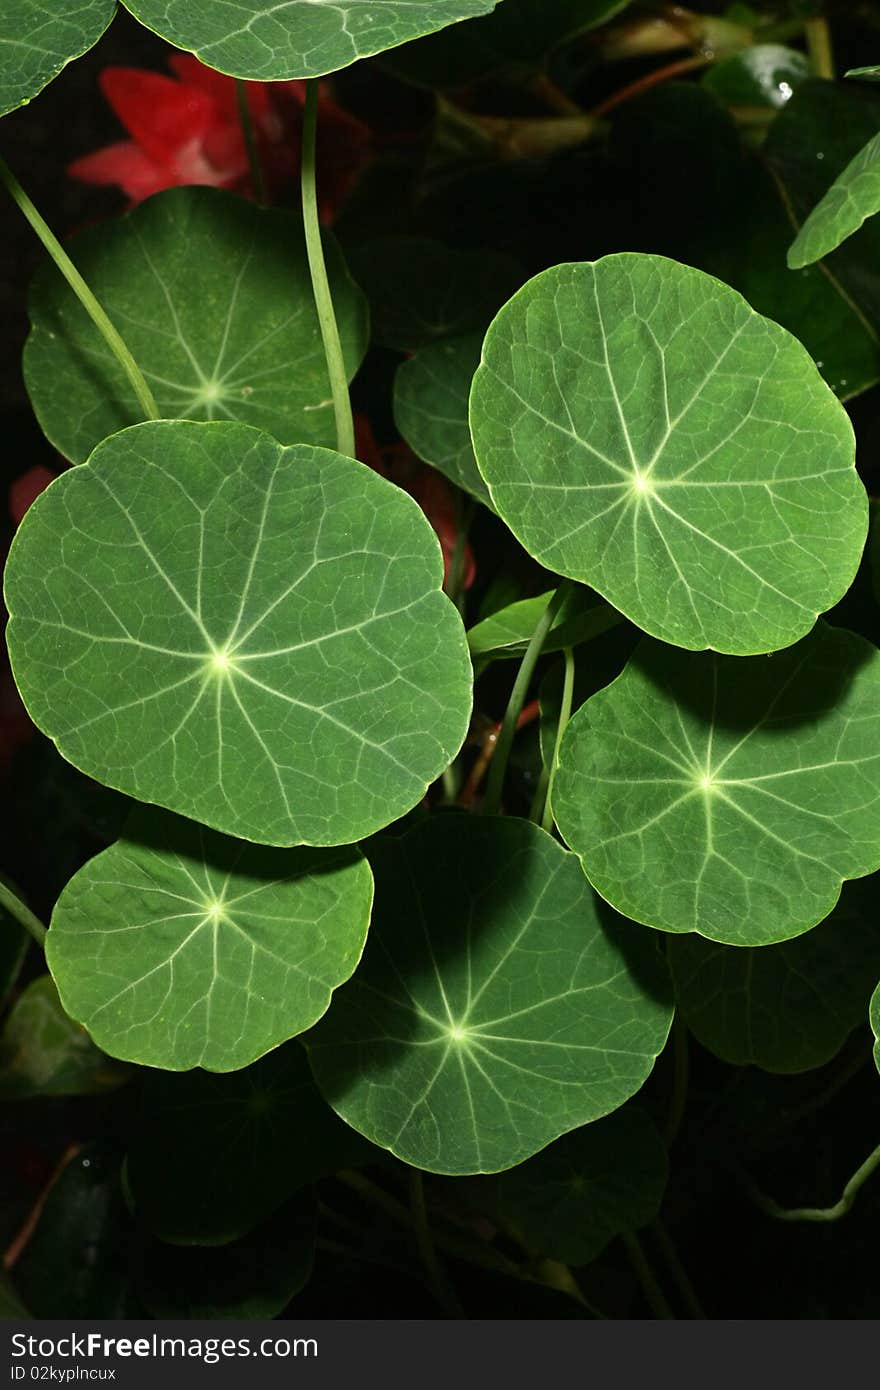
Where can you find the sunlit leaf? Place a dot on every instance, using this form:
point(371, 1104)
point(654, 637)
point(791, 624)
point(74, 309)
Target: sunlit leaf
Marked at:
point(254, 1277)
point(177, 947)
point(851, 200)
point(213, 1156)
point(431, 391)
point(785, 1008)
point(213, 297)
point(642, 430)
point(727, 797)
point(297, 38)
point(38, 39)
point(575, 1196)
point(44, 1053)
point(497, 1006)
point(248, 635)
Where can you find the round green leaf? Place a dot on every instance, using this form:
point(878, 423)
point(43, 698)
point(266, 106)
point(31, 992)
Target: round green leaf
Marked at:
point(38, 39)
point(248, 635)
point(641, 429)
point(213, 297)
point(255, 1277)
point(179, 948)
point(852, 198)
point(497, 1005)
point(573, 1198)
point(420, 291)
point(431, 409)
point(44, 1053)
point(214, 1155)
point(296, 38)
point(785, 1008)
point(727, 797)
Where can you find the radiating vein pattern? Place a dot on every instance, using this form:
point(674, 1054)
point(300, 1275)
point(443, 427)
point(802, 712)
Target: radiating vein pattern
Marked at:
point(728, 797)
point(248, 635)
point(497, 1006)
point(213, 297)
point(296, 38)
point(177, 947)
point(39, 37)
point(642, 430)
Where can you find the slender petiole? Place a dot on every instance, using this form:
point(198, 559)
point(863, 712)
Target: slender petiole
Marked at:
point(22, 914)
point(320, 283)
point(111, 335)
point(250, 141)
point(564, 716)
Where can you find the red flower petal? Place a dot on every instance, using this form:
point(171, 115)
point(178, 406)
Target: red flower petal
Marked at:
point(125, 165)
point(159, 112)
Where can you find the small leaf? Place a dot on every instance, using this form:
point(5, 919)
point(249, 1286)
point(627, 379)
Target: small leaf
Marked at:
point(642, 430)
point(44, 1053)
point(213, 1156)
point(213, 297)
point(508, 632)
point(575, 1196)
point(248, 635)
point(254, 1278)
point(431, 391)
point(784, 1008)
point(727, 797)
point(298, 38)
point(851, 200)
point(874, 1016)
point(421, 291)
point(497, 1005)
point(38, 40)
point(177, 947)
point(764, 75)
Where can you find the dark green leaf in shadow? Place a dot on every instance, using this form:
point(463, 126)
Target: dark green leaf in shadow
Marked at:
point(214, 1156)
point(508, 632)
point(431, 391)
point(765, 75)
point(44, 1053)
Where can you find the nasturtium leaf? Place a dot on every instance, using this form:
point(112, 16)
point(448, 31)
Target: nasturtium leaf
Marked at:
point(254, 1277)
point(785, 1008)
point(431, 391)
point(178, 947)
point(766, 74)
point(874, 1016)
point(296, 38)
point(214, 1155)
point(248, 635)
point(420, 291)
point(728, 797)
point(508, 632)
point(643, 430)
point(40, 37)
point(497, 1006)
point(851, 200)
point(575, 1196)
point(213, 297)
point(44, 1053)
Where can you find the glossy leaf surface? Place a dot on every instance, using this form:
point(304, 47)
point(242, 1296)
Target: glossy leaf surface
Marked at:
point(725, 797)
point(248, 635)
point(498, 1004)
point(703, 472)
point(213, 297)
point(177, 947)
point(575, 1196)
point(298, 38)
point(38, 39)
